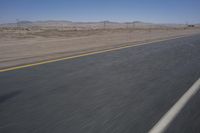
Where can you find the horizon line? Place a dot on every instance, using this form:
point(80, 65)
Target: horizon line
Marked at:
point(95, 21)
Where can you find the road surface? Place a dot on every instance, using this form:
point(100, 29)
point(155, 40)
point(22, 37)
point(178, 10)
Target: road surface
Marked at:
point(122, 91)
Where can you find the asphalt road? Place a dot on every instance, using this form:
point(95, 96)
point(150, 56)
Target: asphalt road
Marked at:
point(124, 91)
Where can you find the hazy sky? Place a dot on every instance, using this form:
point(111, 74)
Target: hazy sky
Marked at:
point(159, 11)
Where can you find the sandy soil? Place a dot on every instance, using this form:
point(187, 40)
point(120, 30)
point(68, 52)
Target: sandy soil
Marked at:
point(24, 46)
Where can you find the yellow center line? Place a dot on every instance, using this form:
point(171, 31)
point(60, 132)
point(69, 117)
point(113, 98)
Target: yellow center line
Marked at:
point(81, 55)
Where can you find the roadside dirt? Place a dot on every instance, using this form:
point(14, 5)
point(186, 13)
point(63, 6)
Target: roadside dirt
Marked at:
point(24, 46)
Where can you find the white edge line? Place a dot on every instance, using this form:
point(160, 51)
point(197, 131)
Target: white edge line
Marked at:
point(164, 122)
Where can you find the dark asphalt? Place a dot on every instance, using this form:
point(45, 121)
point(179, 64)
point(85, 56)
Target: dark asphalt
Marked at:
point(125, 91)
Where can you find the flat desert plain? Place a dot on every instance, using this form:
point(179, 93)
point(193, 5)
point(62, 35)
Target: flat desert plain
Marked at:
point(20, 46)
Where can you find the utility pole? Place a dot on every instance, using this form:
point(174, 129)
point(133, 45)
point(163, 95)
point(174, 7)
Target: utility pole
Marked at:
point(133, 24)
point(104, 25)
point(186, 24)
point(18, 25)
point(127, 25)
point(128, 31)
point(150, 30)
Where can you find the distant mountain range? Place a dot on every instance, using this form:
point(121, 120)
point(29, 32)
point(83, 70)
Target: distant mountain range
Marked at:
point(108, 24)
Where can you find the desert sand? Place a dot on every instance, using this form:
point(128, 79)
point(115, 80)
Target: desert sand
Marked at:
point(23, 45)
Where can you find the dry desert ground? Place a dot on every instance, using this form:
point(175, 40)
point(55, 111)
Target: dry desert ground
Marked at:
point(29, 45)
